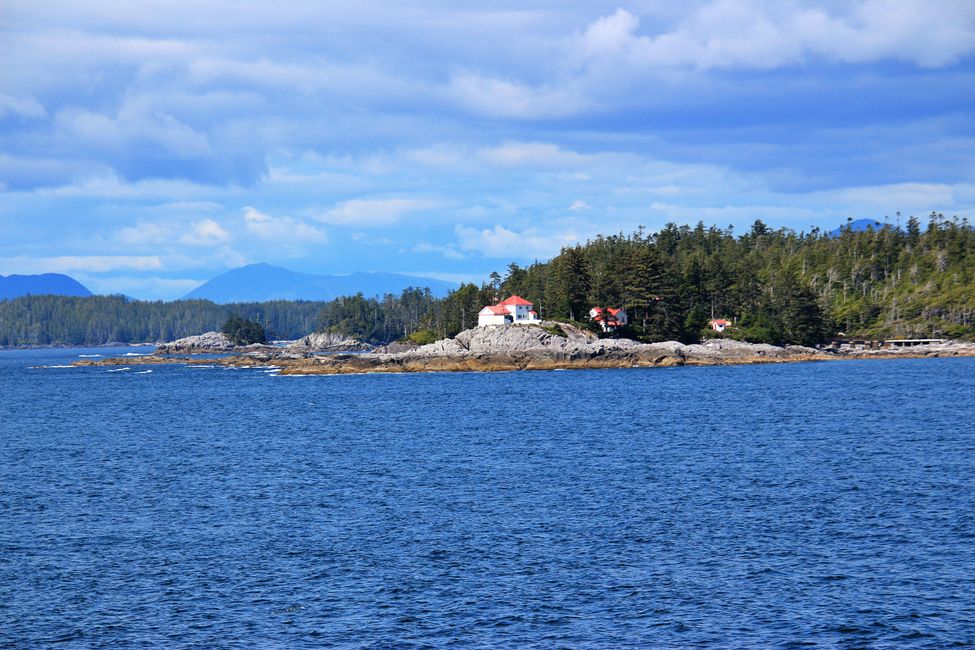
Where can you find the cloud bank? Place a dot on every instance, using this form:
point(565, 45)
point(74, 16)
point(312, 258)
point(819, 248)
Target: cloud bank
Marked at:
point(450, 139)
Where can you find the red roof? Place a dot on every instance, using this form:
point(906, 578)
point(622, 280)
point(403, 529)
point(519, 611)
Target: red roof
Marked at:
point(721, 321)
point(498, 310)
point(515, 300)
point(599, 311)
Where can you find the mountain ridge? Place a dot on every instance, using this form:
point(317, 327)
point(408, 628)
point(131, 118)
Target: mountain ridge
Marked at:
point(54, 284)
point(860, 225)
point(261, 282)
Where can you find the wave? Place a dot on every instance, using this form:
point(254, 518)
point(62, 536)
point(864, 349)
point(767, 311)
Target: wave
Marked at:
point(60, 366)
point(144, 372)
point(132, 354)
point(119, 369)
point(88, 356)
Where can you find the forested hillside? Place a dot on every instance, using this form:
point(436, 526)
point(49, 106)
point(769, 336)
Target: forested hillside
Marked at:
point(95, 320)
point(777, 286)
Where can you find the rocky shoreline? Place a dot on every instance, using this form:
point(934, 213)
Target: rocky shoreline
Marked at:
point(218, 343)
point(548, 346)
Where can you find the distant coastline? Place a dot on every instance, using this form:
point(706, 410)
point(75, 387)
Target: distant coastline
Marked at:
point(67, 346)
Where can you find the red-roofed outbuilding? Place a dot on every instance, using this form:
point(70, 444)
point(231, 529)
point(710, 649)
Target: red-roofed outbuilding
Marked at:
point(719, 324)
point(611, 320)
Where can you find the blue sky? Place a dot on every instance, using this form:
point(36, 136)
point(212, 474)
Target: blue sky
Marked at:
point(146, 147)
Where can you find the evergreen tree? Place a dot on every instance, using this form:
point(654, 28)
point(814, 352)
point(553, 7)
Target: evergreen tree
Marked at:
point(641, 275)
point(243, 332)
point(569, 286)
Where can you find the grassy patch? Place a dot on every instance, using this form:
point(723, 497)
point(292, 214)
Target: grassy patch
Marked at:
point(554, 330)
point(423, 337)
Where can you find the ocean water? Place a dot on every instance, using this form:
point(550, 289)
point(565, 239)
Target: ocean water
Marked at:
point(800, 505)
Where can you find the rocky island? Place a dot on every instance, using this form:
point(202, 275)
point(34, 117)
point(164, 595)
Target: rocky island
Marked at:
point(219, 343)
point(547, 345)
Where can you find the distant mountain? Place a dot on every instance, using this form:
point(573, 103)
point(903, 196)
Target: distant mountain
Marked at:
point(261, 282)
point(55, 284)
point(860, 225)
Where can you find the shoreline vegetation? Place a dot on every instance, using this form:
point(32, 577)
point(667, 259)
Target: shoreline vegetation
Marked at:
point(499, 348)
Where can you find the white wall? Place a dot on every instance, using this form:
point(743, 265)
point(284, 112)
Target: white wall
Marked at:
point(489, 319)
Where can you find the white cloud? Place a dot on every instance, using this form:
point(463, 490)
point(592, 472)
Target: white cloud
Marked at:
point(316, 75)
point(22, 106)
point(75, 263)
point(144, 233)
point(282, 229)
point(364, 213)
point(764, 35)
point(579, 205)
point(110, 186)
point(205, 233)
point(533, 154)
point(136, 122)
point(500, 242)
point(231, 258)
point(448, 251)
point(26, 171)
point(188, 206)
point(506, 98)
point(916, 198)
point(438, 155)
point(742, 214)
point(613, 34)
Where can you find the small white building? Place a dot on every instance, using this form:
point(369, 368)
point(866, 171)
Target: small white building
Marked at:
point(611, 320)
point(719, 324)
point(494, 315)
point(513, 310)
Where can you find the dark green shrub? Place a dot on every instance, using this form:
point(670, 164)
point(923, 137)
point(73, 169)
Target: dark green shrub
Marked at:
point(243, 332)
point(423, 337)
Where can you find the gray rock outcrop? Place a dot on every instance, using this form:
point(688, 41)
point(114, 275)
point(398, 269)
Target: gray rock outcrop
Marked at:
point(551, 342)
point(731, 349)
point(328, 342)
point(211, 343)
point(208, 342)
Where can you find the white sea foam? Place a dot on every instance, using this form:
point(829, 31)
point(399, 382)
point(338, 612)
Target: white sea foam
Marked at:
point(88, 356)
point(119, 369)
point(144, 372)
point(132, 354)
point(60, 366)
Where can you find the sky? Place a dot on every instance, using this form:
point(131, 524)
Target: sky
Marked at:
point(147, 147)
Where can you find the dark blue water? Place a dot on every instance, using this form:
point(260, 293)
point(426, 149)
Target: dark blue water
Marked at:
point(829, 505)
